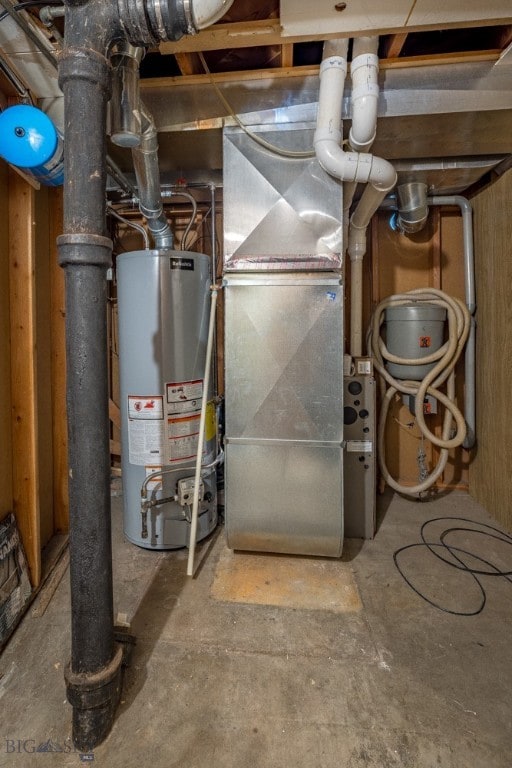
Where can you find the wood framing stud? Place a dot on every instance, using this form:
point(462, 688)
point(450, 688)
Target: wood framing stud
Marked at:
point(23, 369)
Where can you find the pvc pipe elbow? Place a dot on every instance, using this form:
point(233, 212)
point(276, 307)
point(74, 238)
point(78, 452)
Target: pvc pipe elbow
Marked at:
point(383, 175)
point(207, 12)
point(346, 166)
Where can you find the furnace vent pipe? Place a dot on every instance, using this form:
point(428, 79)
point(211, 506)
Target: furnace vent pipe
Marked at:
point(412, 207)
point(378, 173)
point(145, 163)
point(133, 126)
point(364, 71)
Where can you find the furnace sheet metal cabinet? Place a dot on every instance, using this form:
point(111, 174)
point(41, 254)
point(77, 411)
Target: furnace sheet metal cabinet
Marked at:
point(284, 412)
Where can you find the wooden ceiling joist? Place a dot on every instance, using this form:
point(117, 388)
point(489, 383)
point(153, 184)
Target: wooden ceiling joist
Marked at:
point(394, 45)
point(249, 34)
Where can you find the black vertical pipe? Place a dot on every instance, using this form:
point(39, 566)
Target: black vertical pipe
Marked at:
point(93, 676)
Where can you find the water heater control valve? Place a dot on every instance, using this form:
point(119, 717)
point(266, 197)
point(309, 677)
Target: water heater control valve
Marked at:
point(186, 491)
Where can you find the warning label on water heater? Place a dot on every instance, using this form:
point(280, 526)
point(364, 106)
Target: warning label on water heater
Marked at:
point(145, 429)
point(184, 396)
point(183, 412)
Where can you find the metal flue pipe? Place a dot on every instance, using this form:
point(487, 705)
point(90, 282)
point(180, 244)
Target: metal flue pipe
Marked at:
point(92, 27)
point(133, 126)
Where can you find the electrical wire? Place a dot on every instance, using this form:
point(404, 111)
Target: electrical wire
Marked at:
point(129, 223)
point(288, 153)
point(441, 547)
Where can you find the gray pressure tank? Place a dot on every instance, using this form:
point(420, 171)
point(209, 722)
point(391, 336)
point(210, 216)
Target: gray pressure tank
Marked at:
point(413, 331)
point(163, 307)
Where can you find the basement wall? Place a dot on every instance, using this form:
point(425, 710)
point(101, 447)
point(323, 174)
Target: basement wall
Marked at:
point(5, 354)
point(491, 470)
point(33, 465)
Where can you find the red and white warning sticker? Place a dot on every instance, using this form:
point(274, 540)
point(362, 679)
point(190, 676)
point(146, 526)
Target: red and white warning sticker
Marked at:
point(145, 429)
point(145, 407)
point(182, 438)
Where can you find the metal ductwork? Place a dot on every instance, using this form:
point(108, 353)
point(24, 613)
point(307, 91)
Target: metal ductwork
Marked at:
point(412, 207)
point(133, 126)
point(92, 28)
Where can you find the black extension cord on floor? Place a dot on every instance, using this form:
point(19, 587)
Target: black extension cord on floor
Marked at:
point(441, 547)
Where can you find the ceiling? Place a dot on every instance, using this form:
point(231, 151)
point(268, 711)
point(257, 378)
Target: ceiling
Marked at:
point(445, 106)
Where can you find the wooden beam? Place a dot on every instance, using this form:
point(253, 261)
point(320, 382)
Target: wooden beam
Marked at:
point(393, 46)
point(287, 55)
point(114, 414)
point(58, 336)
point(115, 447)
point(156, 83)
point(505, 37)
point(23, 369)
point(249, 34)
point(189, 63)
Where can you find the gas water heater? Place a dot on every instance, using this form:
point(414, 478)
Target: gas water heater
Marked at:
point(164, 304)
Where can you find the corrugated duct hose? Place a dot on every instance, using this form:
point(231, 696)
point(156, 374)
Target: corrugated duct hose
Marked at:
point(443, 372)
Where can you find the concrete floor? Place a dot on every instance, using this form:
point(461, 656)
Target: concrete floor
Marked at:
point(390, 681)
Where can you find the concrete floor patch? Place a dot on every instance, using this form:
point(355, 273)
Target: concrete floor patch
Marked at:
point(287, 581)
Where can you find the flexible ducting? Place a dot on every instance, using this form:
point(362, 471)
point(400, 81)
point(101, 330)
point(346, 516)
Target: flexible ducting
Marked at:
point(442, 373)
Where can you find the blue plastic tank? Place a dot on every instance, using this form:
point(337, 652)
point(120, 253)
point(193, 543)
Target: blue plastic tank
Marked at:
point(29, 140)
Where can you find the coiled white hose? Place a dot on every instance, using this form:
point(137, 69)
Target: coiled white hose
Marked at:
point(445, 359)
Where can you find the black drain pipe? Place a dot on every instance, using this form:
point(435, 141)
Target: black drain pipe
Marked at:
point(92, 27)
point(93, 676)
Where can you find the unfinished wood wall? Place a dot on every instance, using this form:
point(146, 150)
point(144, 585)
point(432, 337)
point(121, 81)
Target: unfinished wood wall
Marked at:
point(399, 263)
point(491, 475)
point(31, 365)
point(5, 353)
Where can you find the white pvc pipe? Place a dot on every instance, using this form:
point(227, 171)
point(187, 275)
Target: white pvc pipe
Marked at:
point(351, 167)
point(364, 71)
point(356, 300)
point(202, 422)
point(470, 296)
point(206, 12)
